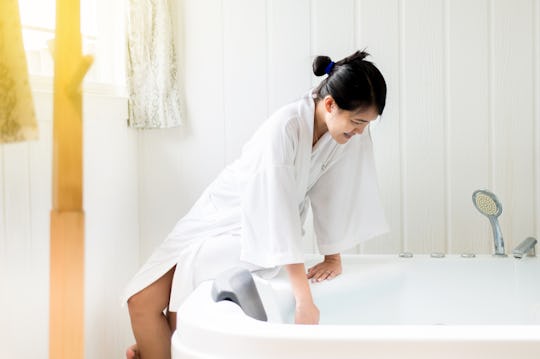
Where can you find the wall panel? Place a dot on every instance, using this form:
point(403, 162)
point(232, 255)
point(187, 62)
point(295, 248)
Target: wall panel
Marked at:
point(424, 126)
point(18, 243)
point(111, 223)
point(17, 201)
point(245, 64)
point(468, 123)
point(111, 235)
point(332, 28)
point(203, 69)
point(288, 51)
point(3, 242)
point(512, 116)
point(40, 205)
point(24, 269)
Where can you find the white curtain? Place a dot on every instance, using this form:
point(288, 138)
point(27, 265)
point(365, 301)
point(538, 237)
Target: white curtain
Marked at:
point(154, 96)
point(17, 117)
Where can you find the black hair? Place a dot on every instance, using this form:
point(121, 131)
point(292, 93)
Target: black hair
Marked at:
point(354, 83)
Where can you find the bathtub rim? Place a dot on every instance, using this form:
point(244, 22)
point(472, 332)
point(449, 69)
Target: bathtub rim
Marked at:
point(213, 324)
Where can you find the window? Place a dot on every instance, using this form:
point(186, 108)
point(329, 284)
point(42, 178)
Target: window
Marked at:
point(102, 29)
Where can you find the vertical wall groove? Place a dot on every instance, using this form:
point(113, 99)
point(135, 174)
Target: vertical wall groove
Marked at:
point(29, 199)
point(536, 110)
point(446, 119)
point(356, 33)
point(311, 39)
point(490, 87)
point(268, 54)
point(223, 85)
point(3, 205)
point(357, 44)
point(140, 187)
point(402, 107)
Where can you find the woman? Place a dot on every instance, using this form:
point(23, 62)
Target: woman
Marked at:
point(313, 153)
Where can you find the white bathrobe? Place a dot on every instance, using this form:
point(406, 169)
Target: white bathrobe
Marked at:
point(252, 214)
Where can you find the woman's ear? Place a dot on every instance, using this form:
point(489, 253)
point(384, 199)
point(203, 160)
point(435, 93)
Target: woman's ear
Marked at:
point(329, 103)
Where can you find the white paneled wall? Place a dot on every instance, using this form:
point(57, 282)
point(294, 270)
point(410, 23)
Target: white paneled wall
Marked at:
point(462, 110)
point(423, 115)
point(111, 238)
point(111, 229)
point(512, 124)
point(468, 116)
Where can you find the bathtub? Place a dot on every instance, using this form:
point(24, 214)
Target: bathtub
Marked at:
point(380, 307)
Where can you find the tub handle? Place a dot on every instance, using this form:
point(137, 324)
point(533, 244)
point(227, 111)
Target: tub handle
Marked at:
point(237, 285)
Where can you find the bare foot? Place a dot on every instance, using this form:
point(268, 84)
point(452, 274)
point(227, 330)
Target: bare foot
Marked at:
point(132, 352)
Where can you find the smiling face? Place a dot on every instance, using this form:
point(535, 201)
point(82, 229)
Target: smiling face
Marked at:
point(342, 124)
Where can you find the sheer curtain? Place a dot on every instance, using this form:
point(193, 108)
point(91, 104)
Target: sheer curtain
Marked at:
point(17, 116)
point(154, 96)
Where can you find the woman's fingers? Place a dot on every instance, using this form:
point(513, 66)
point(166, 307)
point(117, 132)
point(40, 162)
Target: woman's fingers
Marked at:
point(311, 272)
point(320, 275)
point(323, 271)
point(325, 275)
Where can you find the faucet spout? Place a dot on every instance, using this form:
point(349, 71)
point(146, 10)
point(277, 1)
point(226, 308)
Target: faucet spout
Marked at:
point(525, 247)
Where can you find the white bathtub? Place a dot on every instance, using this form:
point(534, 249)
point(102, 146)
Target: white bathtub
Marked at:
point(381, 307)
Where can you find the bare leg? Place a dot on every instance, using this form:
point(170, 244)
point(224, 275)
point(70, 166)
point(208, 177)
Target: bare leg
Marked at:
point(150, 326)
point(133, 351)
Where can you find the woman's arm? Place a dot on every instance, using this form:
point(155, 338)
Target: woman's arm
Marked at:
point(327, 269)
point(306, 311)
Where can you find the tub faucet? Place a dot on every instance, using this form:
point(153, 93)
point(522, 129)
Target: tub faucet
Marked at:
point(524, 248)
point(488, 204)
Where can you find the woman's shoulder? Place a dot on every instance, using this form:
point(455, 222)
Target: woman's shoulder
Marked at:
point(285, 114)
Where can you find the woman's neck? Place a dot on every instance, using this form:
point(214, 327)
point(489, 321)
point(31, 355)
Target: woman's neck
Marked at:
point(319, 124)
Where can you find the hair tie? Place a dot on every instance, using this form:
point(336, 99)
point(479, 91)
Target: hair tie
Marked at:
point(329, 67)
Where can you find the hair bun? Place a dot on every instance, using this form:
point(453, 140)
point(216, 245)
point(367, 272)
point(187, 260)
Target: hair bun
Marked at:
point(320, 63)
point(362, 54)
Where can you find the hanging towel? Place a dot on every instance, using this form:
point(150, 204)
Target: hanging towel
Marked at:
point(17, 116)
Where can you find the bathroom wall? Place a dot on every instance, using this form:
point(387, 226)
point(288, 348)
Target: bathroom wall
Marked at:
point(111, 231)
point(462, 112)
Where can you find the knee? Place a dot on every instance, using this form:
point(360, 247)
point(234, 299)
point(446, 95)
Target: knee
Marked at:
point(153, 299)
point(136, 305)
point(141, 305)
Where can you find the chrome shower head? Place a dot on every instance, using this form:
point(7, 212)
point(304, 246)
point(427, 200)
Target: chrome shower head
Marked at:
point(488, 204)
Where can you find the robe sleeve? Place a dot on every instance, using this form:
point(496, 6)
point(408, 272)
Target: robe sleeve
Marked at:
point(271, 225)
point(345, 199)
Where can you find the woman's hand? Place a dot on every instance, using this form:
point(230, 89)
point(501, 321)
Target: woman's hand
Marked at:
point(306, 313)
point(327, 269)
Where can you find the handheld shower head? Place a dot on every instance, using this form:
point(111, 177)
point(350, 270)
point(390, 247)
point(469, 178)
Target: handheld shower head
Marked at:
point(488, 204)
